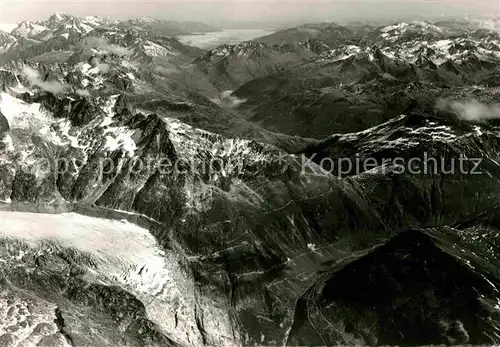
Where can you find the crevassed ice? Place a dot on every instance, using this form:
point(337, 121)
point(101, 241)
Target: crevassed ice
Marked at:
point(127, 256)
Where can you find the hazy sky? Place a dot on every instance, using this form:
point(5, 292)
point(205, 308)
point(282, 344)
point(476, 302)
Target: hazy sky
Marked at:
point(13, 11)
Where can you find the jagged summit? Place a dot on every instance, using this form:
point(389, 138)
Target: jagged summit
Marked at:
point(144, 20)
point(58, 18)
point(64, 24)
point(6, 40)
point(28, 29)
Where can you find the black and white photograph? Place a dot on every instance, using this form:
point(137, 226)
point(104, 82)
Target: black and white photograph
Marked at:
point(190, 173)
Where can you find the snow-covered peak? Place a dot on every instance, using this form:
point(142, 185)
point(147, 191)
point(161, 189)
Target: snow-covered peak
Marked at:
point(6, 40)
point(28, 29)
point(243, 49)
point(57, 25)
point(419, 51)
point(59, 17)
point(393, 33)
point(144, 20)
point(439, 51)
point(154, 49)
point(96, 20)
point(342, 53)
point(414, 25)
point(400, 26)
point(398, 135)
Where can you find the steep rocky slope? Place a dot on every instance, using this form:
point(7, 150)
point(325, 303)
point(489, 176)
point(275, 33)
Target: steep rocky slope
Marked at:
point(230, 66)
point(331, 34)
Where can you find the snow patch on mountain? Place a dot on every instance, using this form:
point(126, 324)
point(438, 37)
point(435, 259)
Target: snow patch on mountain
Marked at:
point(458, 50)
point(399, 26)
point(243, 49)
point(389, 136)
point(190, 141)
point(20, 114)
point(342, 53)
point(92, 76)
point(393, 33)
point(6, 41)
point(156, 50)
point(7, 141)
point(30, 117)
point(117, 137)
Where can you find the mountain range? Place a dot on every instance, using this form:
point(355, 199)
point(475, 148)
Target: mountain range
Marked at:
point(155, 193)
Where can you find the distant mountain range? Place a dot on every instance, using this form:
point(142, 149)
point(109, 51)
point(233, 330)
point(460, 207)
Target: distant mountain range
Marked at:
point(64, 21)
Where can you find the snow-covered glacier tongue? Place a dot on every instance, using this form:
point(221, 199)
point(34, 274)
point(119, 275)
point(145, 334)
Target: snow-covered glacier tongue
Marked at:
point(56, 267)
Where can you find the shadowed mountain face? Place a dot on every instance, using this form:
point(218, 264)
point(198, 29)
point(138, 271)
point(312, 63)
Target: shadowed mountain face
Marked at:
point(415, 289)
point(331, 34)
point(229, 67)
point(142, 207)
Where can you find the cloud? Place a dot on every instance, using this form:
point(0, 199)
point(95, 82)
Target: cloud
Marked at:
point(165, 70)
point(34, 78)
point(82, 92)
point(102, 44)
point(104, 68)
point(30, 73)
point(471, 110)
point(228, 100)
